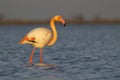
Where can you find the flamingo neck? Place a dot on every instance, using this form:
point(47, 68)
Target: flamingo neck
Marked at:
point(54, 31)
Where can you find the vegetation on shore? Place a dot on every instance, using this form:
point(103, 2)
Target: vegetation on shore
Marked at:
point(79, 19)
point(23, 22)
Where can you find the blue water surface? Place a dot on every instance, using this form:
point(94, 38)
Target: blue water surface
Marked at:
point(82, 52)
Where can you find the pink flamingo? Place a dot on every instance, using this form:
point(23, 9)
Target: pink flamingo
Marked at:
point(41, 37)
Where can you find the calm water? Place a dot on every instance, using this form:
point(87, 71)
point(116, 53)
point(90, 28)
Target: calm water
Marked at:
point(82, 52)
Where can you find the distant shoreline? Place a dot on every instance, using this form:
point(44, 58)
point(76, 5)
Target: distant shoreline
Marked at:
point(26, 22)
point(22, 22)
point(99, 21)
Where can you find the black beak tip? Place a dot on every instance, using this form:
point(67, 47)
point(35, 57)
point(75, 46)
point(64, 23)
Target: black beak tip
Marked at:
point(64, 25)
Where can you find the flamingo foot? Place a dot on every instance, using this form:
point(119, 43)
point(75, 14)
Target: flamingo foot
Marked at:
point(44, 65)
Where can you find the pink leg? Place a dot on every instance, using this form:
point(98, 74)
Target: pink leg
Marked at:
point(30, 59)
point(41, 61)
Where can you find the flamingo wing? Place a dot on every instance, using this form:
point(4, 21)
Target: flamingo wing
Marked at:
point(27, 39)
point(38, 37)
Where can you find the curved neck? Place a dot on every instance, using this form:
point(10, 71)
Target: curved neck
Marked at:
point(54, 31)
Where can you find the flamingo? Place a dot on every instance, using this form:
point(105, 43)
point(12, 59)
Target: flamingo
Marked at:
point(41, 37)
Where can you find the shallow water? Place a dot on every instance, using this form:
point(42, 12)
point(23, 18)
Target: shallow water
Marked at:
point(82, 52)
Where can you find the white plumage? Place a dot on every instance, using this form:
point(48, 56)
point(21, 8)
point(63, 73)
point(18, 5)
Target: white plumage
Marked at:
point(42, 37)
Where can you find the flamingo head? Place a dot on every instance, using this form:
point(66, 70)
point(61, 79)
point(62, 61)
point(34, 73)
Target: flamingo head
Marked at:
point(59, 18)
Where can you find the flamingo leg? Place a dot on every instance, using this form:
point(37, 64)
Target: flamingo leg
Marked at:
point(41, 61)
point(31, 56)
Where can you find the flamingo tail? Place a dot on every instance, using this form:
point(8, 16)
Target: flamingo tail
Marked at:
point(26, 39)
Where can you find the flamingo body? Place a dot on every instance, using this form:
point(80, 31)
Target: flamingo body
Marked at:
point(38, 37)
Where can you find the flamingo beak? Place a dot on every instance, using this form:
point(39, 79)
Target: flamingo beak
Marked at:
point(63, 22)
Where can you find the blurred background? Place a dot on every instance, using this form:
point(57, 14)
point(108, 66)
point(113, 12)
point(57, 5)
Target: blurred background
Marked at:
point(74, 11)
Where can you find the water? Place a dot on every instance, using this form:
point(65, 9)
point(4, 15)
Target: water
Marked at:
point(82, 52)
